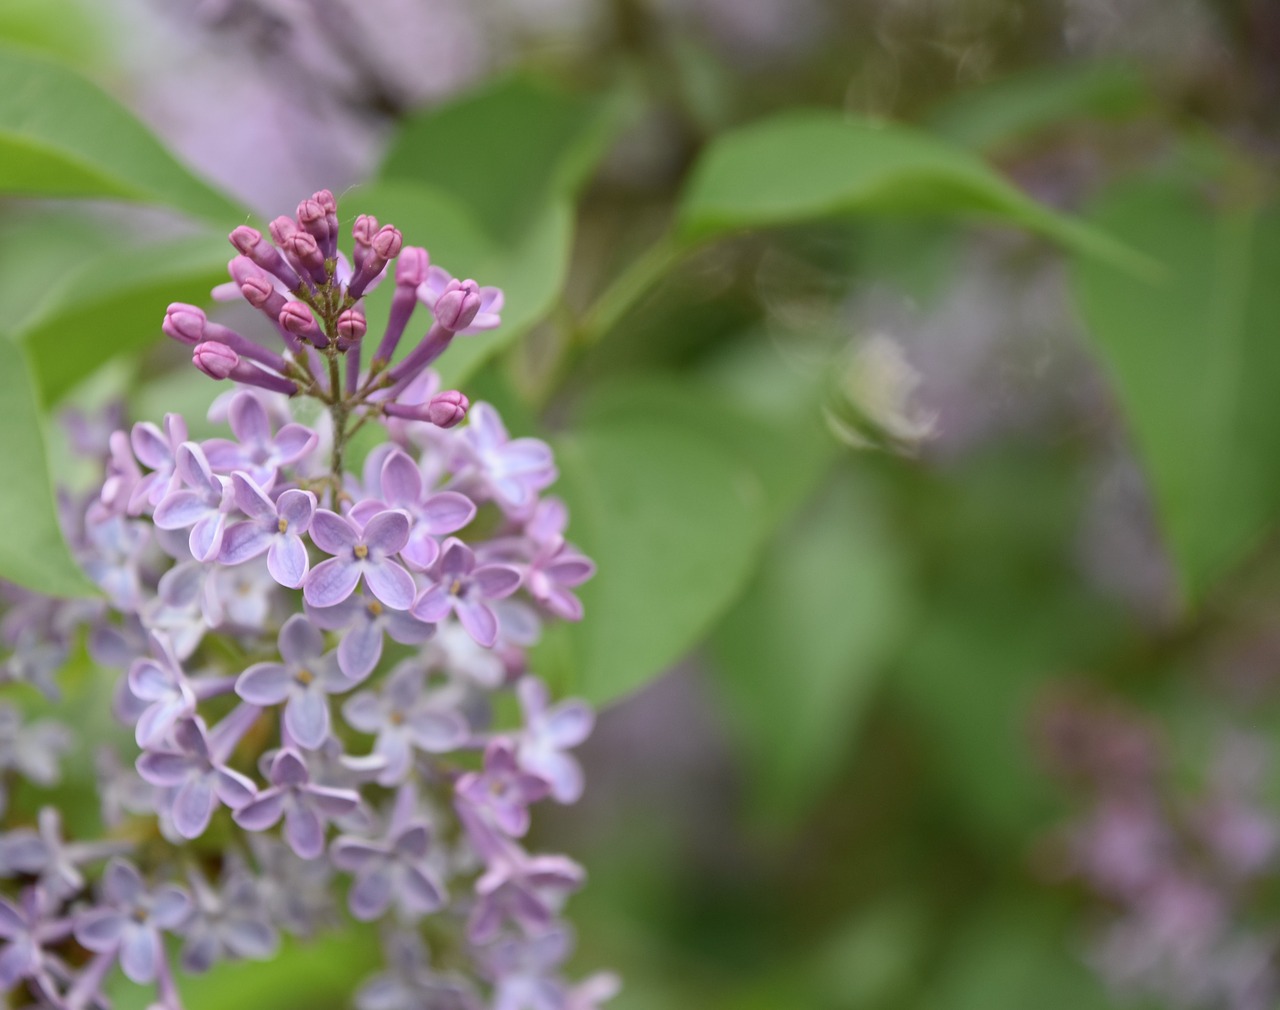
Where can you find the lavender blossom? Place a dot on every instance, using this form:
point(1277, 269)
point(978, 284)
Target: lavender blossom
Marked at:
point(360, 552)
point(307, 808)
point(464, 588)
point(129, 920)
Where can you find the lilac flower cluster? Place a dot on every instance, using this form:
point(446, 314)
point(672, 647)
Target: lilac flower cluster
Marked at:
point(311, 661)
point(1179, 873)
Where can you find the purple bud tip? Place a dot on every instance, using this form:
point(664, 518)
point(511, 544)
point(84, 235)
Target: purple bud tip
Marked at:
point(326, 200)
point(411, 267)
point(352, 325)
point(458, 304)
point(447, 409)
point(216, 360)
point(281, 228)
point(365, 228)
point(185, 323)
point(387, 242)
point(303, 247)
point(257, 291)
point(298, 320)
point(245, 239)
point(310, 212)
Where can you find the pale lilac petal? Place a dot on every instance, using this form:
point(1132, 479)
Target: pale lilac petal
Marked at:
point(161, 768)
point(332, 533)
point(457, 560)
point(304, 832)
point(12, 923)
point(264, 684)
point(371, 895)
point(150, 446)
point(301, 642)
point(170, 907)
point(419, 892)
point(401, 480)
point(337, 617)
point(234, 789)
point(294, 441)
point(244, 542)
point(121, 883)
point(479, 622)
point(359, 650)
point(206, 536)
point(99, 929)
point(386, 533)
point(437, 732)
point(297, 508)
point(421, 551)
point(447, 511)
point(391, 584)
point(193, 807)
point(261, 813)
point(394, 749)
point(571, 571)
point(287, 561)
point(159, 718)
point(332, 802)
point(569, 723)
point(249, 939)
point(139, 953)
point(288, 769)
point(307, 718)
point(560, 771)
point(407, 629)
point(434, 604)
point(180, 509)
point(364, 712)
point(496, 581)
point(150, 681)
point(332, 581)
point(354, 854)
point(250, 498)
point(248, 419)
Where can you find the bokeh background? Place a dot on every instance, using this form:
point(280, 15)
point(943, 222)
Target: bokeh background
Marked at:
point(936, 628)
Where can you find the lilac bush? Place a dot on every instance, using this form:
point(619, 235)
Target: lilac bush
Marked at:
point(309, 659)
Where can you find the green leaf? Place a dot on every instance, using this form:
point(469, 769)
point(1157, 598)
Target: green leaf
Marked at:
point(58, 27)
point(530, 269)
point(1195, 362)
point(32, 550)
point(62, 136)
point(801, 166)
point(800, 655)
point(114, 303)
point(674, 524)
point(1013, 108)
point(506, 152)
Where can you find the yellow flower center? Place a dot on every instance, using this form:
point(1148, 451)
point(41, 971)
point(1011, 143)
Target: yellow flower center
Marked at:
point(361, 551)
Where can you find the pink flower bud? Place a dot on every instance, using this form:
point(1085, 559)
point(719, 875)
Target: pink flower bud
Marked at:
point(298, 320)
point(352, 325)
point(257, 291)
point(387, 243)
point(364, 229)
point(447, 409)
point(216, 360)
point(326, 200)
point(185, 323)
point(281, 228)
point(457, 305)
point(411, 267)
point(246, 239)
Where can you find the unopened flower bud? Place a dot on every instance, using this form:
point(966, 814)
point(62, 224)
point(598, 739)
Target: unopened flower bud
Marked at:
point(298, 320)
point(185, 323)
point(411, 267)
point(365, 227)
point(325, 199)
point(257, 291)
point(448, 408)
point(249, 243)
point(457, 305)
point(351, 327)
point(315, 220)
point(387, 243)
point(303, 249)
point(216, 360)
point(281, 228)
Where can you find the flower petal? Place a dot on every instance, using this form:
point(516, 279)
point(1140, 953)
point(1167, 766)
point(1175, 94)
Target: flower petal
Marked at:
point(264, 684)
point(306, 717)
point(331, 582)
point(332, 533)
point(287, 561)
point(391, 584)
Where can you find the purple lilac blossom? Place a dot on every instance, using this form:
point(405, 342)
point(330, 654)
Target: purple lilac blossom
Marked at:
point(210, 553)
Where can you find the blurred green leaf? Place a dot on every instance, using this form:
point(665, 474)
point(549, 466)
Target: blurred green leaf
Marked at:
point(305, 975)
point(1013, 108)
point(530, 269)
point(801, 166)
point(58, 27)
point(507, 152)
point(1195, 362)
point(62, 136)
point(800, 655)
point(674, 524)
point(32, 550)
point(113, 304)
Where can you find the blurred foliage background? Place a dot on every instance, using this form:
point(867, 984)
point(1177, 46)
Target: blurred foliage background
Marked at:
point(912, 369)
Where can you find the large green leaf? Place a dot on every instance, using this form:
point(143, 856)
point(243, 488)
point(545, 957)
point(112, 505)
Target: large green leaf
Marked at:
point(113, 304)
point(530, 270)
point(801, 166)
point(674, 524)
point(61, 135)
point(32, 550)
point(507, 151)
point(1013, 108)
point(801, 653)
point(1196, 364)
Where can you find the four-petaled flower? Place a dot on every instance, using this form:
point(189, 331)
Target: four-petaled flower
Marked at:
point(273, 527)
point(503, 791)
point(258, 452)
point(463, 587)
point(359, 552)
point(302, 682)
point(362, 619)
point(548, 733)
point(128, 920)
point(306, 807)
point(201, 506)
point(394, 869)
